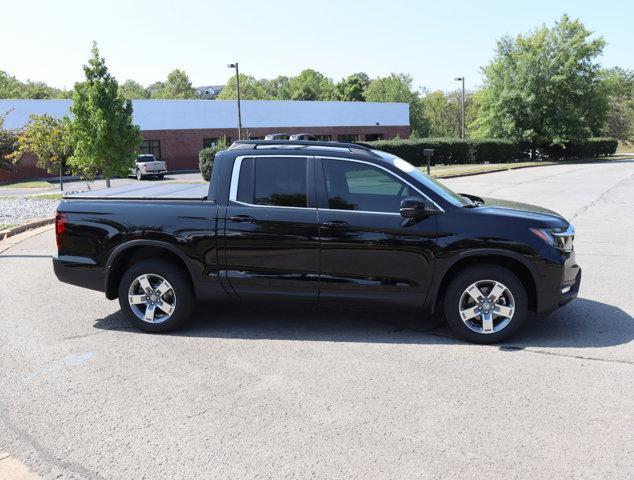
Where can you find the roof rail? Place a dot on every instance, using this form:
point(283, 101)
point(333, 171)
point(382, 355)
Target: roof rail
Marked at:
point(299, 145)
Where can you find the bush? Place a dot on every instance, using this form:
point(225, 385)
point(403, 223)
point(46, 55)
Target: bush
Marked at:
point(449, 151)
point(206, 158)
point(590, 148)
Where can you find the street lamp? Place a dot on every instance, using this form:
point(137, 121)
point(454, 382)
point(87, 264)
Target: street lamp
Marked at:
point(461, 79)
point(235, 65)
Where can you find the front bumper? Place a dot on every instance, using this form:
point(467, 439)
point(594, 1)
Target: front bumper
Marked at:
point(567, 292)
point(75, 272)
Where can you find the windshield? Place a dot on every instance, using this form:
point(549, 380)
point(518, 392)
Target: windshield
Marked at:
point(434, 185)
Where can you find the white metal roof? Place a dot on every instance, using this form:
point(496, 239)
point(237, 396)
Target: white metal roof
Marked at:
point(194, 114)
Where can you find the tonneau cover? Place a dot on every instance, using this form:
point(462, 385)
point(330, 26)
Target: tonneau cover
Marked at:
point(163, 191)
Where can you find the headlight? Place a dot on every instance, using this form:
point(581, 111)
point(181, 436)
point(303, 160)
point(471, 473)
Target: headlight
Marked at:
point(561, 237)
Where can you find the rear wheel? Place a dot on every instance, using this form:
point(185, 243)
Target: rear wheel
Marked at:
point(156, 295)
point(486, 304)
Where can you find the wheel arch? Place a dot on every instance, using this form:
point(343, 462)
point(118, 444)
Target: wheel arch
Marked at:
point(513, 262)
point(136, 250)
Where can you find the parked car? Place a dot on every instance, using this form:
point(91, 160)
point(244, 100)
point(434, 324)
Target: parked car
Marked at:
point(147, 165)
point(277, 136)
point(303, 136)
point(319, 221)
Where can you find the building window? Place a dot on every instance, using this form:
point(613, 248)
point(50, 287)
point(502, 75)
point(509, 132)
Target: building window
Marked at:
point(323, 138)
point(151, 147)
point(212, 142)
point(371, 137)
point(348, 137)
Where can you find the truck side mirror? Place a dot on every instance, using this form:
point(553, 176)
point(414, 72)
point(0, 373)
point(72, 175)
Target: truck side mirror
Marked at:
point(416, 207)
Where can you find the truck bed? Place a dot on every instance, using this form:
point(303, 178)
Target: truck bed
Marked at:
point(171, 191)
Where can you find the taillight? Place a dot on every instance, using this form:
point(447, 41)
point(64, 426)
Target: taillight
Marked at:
point(61, 221)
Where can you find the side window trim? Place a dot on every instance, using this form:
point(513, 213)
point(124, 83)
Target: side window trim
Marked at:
point(235, 180)
point(324, 189)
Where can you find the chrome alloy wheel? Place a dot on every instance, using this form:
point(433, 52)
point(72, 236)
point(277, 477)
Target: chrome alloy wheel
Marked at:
point(152, 298)
point(486, 306)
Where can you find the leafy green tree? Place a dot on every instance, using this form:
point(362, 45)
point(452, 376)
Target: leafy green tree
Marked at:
point(11, 87)
point(103, 131)
point(619, 86)
point(351, 89)
point(8, 144)
point(277, 88)
point(442, 111)
point(544, 87)
point(49, 140)
point(177, 86)
point(311, 85)
point(250, 89)
point(132, 90)
point(398, 88)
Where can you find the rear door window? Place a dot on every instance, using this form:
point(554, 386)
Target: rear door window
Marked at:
point(273, 181)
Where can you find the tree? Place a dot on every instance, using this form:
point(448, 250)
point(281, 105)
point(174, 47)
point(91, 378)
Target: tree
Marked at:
point(250, 89)
point(8, 144)
point(544, 87)
point(351, 89)
point(104, 135)
point(177, 86)
point(11, 87)
point(619, 86)
point(398, 88)
point(132, 90)
point(277, 88)
point(442, 111)
point(49, 140)
point(311, 85)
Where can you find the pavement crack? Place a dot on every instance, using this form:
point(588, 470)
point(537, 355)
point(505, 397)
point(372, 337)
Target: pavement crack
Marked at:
point(600, 198)
point(46, 454)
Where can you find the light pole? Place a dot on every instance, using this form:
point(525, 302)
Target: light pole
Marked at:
point(235, 65)
point(461, 79)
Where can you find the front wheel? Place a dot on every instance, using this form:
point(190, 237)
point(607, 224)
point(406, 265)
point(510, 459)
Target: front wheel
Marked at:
point(139, 175)
point(155, 295)
point(486, 304)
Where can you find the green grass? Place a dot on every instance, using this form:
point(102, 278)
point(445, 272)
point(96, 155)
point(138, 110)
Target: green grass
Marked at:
point(4, 226)
point(36, 184)
point(48, 196)
point(442, 171)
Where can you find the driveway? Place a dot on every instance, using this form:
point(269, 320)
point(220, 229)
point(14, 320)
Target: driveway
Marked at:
point(261, 391)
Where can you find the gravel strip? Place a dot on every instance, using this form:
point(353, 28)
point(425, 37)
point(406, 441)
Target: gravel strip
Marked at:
point(19, 210)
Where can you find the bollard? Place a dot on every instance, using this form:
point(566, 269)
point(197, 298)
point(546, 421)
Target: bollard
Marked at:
point(428, 153)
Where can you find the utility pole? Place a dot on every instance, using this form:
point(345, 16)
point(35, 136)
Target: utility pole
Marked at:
point(462, 133)
point(235, 65)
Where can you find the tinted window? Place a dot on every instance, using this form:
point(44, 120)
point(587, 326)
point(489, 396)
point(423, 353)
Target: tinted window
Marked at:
point(279, 181)
point(358, 186)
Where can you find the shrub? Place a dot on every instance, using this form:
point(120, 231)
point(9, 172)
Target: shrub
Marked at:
point(207, 155)
point(450, 151)
point(590, 148)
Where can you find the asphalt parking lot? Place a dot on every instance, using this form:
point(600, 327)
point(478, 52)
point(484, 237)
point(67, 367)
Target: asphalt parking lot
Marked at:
point(259, 391)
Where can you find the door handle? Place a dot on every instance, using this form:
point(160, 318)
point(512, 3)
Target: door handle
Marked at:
point(335, 224)
point(242, 219)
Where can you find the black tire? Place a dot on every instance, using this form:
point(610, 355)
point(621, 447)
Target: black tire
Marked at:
point(181, 293)
point(160, 177)
point(484, 273)
point(139, 175)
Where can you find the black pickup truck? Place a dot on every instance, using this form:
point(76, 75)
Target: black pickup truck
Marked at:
point(320, 221)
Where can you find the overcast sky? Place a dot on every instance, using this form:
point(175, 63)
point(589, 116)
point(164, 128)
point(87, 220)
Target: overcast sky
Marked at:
point(435, 41)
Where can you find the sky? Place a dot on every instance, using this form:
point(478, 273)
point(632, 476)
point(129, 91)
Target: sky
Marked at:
point(144, 40)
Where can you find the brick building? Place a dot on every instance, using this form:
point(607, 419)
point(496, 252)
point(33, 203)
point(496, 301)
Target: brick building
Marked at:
point(176, 130)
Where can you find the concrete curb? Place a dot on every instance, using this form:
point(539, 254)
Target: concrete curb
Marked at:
point(9, 232)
